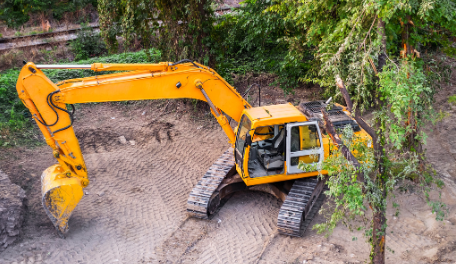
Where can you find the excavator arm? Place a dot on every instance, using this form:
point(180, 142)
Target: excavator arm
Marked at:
point(62, 183)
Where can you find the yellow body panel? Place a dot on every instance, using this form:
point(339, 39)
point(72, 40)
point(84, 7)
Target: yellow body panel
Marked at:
point(274, 115)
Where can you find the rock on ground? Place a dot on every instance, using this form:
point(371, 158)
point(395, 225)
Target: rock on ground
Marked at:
point(11, 211)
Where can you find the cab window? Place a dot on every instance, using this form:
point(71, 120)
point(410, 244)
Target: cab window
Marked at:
point(304, 138)
point(244, 128)
point(263, 133)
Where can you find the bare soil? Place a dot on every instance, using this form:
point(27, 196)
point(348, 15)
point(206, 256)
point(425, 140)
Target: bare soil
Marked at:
point(134, 210)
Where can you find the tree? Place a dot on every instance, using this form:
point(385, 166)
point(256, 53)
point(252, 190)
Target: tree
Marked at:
point(374, 52)
point(179, 28)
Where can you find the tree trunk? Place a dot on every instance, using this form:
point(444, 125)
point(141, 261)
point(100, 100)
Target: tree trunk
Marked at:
point(378, 236)
point(382, 53)
point(379, 220)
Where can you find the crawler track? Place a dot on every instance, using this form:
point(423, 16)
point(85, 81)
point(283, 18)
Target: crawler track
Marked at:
point(296, 212)
point(203, 201)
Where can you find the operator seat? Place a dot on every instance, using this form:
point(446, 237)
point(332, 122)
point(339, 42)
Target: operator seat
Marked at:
point(271, 156)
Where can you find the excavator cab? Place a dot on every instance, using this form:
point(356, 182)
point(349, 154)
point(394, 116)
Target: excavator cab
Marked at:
point(270, 147)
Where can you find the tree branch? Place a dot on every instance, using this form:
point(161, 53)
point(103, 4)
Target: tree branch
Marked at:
point(344, 92)
point(343, 149)
point(358, 118)
point(378, 148)
point(382, 55)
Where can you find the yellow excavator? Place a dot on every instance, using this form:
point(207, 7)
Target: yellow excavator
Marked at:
point(268, 143)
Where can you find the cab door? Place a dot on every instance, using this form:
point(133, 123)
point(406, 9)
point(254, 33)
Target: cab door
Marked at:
point(303, 143)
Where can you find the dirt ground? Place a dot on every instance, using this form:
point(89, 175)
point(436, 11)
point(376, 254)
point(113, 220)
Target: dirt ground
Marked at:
point(134, 210)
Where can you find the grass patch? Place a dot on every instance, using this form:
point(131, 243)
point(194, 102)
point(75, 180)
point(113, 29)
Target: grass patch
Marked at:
point(452, 99)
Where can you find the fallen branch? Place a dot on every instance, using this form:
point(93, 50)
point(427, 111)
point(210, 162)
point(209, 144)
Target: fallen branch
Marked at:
point(357, 115)
point(343, 149)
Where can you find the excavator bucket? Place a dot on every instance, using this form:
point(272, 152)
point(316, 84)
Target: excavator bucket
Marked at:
point(60, 195)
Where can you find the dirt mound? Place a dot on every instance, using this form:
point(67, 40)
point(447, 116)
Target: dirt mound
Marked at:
point(11, 211)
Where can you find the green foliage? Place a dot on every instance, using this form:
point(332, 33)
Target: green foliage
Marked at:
point(189, 38)
point(125, 18)
point(346, 190)
point(34, 32)
point(406, 94)
point(405, 90)
point(184, 31)
point(15, 118)
point(251, 40)
point(344, 36)
point(441, 115)
point(88, 44)
point(452, 99)
point(10, 106)
point(15, 13)
point(17, 131)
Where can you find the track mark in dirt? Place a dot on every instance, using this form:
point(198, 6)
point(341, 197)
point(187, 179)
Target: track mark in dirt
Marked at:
point(158, 127)
point(96, 140)
point(183, 240)
point(136, 190)
point(267, 244)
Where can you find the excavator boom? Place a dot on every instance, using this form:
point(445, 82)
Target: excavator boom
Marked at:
point(62, 183)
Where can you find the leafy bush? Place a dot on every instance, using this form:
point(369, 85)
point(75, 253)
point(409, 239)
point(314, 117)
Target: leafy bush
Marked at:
point(252, 40)
point(88, 44)
point(15, 118)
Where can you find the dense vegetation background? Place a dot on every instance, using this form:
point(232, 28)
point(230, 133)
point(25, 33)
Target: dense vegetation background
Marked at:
point(16, 13)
